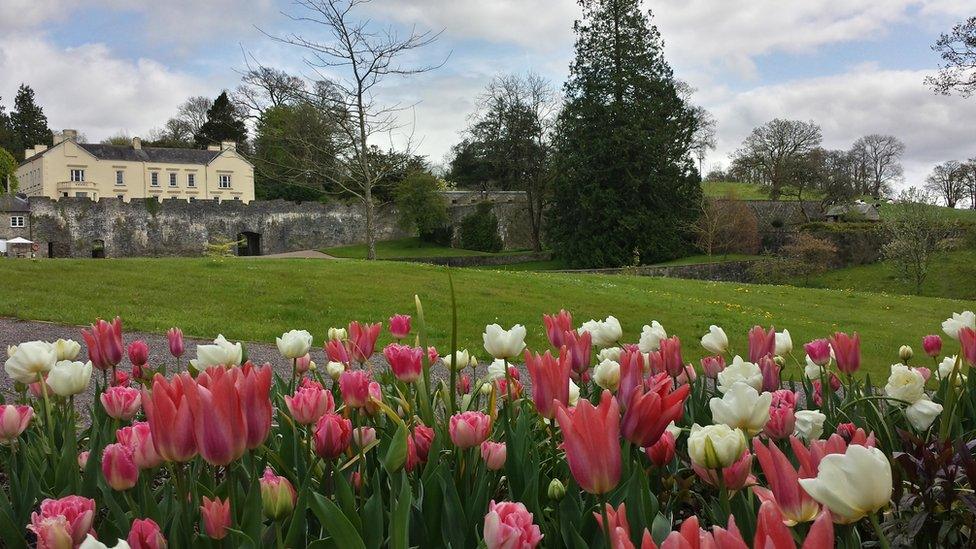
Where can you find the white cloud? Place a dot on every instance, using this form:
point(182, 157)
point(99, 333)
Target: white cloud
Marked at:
point(89, 89)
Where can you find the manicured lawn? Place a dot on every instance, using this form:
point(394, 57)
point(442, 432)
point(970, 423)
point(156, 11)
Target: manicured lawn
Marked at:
point(954, 214)
point(742, 191)
point(700, 259)
point(258, 299)
point(405, 248)
point(952, 274)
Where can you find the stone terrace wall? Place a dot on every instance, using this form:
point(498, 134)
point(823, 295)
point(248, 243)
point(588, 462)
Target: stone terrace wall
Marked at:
point(73, 227)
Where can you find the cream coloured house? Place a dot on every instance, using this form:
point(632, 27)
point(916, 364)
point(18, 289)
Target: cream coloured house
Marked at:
point(72, 169)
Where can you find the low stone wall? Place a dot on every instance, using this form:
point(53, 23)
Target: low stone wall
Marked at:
point(725, 271)
point(482, 260)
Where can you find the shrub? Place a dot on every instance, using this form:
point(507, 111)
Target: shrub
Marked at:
point(479, 230)
point(803, 256)
point(421, 207)
point(727, 226)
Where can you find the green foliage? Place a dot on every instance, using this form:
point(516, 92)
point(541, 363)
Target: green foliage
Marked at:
point(804, 256)
point(222, 248)
point(479, 230)
point(625, 180)
point(421, 206)
point(28, 123)
point(915, 232)
point(8, 169)
point(223, 124)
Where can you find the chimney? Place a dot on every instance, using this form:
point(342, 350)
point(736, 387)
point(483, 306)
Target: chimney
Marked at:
point(58, 137)
point(213, 147)
point(228, 146)
point(29, 152)
point(38, 149)
point(136, 143)
point(70, 134)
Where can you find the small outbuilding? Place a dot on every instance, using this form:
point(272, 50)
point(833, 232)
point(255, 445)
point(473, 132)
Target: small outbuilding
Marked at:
point(856, 211)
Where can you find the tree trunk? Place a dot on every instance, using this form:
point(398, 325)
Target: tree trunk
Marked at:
point(370, 222)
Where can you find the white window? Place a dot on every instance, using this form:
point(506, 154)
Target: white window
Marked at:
point(77, 175)
point(225, 181)
point(172, 179)
point(16, 221)
point(119, 177)
point(154, 179)
point(191, 180)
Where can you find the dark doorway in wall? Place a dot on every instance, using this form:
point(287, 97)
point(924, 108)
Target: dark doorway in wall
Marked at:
point(248, 243)
point(98, 249)
point(50, 249)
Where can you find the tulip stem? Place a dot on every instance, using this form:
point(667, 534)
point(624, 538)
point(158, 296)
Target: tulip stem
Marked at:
point(606, 521)
point(47, 412)
point(877, 530)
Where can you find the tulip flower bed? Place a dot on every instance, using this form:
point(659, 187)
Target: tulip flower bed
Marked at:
point(604, 443)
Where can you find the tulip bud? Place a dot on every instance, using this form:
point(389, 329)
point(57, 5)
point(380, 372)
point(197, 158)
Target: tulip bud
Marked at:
point(277, 495)
point(905, 353)
point(363, 436)
point(662, 452)
point(332, 435)
point(145, 534)
point(303, 363)
point(932, 345)
point(556, 490)
point(335, 369)
point(118, 467)
point(337, 334)
point(494, 454)
point(14, 419)
point(175, 336)
point(216, 517)
point(83, 459)
point(138, 353)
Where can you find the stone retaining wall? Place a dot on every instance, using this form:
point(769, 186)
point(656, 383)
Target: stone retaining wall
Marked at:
point(727, 271)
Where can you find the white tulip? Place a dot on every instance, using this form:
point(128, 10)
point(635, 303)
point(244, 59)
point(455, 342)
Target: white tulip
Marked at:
point(496, 370)
point(809, 424)
point(715, 446)
point(740, 370)
point(651, 336)
point(501, 343)
point(784, 343)
point(67, 349)
point(923, 413)
point(610, 353)
point(294, 344)
point(69, 378)
point(905, 384)
point(742, 407)
point(11, 349)
point(715, 341)
point(92, 543)
point(945, 370)
point(674, 430)
point(574, 393)
point(221, 353)
point(485, 389)
point(853, 484)
point(604, 333)
point(335, 369)
point(31, 360)
point(965, 319)
point(607, 375)
point(812, 370)
point(463, 360)
point(337, 334)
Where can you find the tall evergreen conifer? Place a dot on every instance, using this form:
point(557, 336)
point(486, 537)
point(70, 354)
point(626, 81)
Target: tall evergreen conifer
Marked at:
point(28, 123)
point(223, 124)
point(626, 187)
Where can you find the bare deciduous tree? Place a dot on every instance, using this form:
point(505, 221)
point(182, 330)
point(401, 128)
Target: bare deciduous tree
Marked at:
point(968, 174)
point(704, 138)
point(947, 182)
point(357, 57)
point(773, 149)
point(726, 226)
point(957, 74)
point(880, 155)
point(915, 232)
point(265, 87)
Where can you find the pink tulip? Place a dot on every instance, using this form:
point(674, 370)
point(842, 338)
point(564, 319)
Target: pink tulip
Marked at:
point(303, 363)
point(712, 365)
point(432, 355)
point(119, 469)
point(464, 384)
point(469, 429)
point(145, 534)
point(509, 525)
point(550, 380)
point(363, 436)
point(761, 343)
point(69, 518)
point(216, 517)
point(579, 346)
point(556, 327)
point(253, 385)
point(138, 353)
point(333, 434)
point(770, 531)
point(781, 424)
point(405, 361)
point(422, 437)
point(734, 477)
point(375, 397)
point(631, 376)
point(170, 419)
point(784, 486)
point(336, 351)
point(784, 398)
point(278, 496)
point(362, 339)
point(122, 403)
point(37, 390)
point(670, 353)
point(923, 371)
point(138, 438)
point(218, 417)
point(83, 459)
point(592, 443)
point(770, 373)
point(104, 342)
point(967, 338)
point(819, 351)
point(932, 345)
point(400, 326)
point(809, 458)
point(120, 379)
point(175, 337)
point(354, 385)
point(14, 420)
point(852, 433)
point(662, 452)
point(308, 404)
point(847, 352)
point(494, 454)
point(687, 376)
point(649, 412)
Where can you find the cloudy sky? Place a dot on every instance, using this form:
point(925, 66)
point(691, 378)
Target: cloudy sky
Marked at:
point(853, 66)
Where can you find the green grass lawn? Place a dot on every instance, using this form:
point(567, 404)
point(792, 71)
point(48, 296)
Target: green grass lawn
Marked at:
point(700, 259)
point(258, 299)
point(408, 248)
point(952, 274)
point(743, 191)
point(952, 214)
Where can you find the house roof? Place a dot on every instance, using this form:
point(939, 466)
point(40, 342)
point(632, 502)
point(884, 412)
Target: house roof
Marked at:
point(868, 211)
point(13, 203)
point(150, 154)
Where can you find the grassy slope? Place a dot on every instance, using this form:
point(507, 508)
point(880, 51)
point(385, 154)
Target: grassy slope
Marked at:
point(952, 214)
point(256, 300)
point(951, 275)
point(404, 248)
